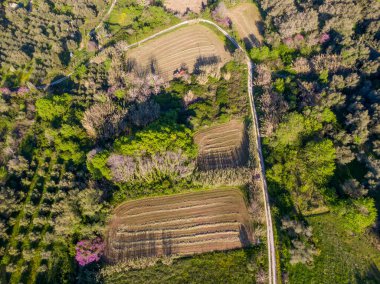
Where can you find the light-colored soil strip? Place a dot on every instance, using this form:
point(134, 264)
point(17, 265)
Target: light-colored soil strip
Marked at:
point(181, 6)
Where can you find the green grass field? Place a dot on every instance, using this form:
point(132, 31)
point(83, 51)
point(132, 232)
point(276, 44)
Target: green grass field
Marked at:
point(239, 266)
point(344, 258)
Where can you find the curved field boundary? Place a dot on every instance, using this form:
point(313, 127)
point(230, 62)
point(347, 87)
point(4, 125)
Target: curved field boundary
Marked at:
point(257, 137)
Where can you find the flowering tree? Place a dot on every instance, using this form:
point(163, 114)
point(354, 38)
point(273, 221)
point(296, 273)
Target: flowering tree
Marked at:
point(89, 251)
point(324, 38)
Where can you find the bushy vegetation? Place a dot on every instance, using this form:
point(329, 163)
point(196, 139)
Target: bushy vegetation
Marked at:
point(317, 84)
point(39, 37)
point(343, 257)
point(240, 266)
point(132, 21)
point(116, 132)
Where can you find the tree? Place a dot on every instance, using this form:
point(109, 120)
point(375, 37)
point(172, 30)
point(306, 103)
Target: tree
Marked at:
point(158, 137)
point(358, 214)
point(104, 120)
point(354, 189)
point(53, 107)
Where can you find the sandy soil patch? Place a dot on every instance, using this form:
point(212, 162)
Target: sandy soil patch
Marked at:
point(182, 6)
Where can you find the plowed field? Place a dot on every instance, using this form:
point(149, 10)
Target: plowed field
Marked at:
point(182, 224)
point(186, 45)
point(247, 20)
point(222, 146)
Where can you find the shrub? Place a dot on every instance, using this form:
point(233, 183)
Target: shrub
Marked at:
point(158, 137)
point(89, 251)
point(358, 214)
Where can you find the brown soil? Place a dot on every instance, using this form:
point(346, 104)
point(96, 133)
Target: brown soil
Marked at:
point(181, 224)
point(222, 146)
point(182, 6)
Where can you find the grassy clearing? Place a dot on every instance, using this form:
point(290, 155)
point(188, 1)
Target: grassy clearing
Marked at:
point(239, 266)
point(133, 23)
point(344, 258)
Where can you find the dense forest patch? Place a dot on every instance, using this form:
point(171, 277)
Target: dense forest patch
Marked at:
point(39, 38)
point(317, 90)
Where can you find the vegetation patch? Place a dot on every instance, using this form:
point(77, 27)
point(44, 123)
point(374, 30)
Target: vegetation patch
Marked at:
point(238, 266)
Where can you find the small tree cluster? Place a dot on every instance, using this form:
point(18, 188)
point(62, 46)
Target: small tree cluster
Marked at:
point(89, 251)
point(303, 249)
point(104, 120)
point(150, 168)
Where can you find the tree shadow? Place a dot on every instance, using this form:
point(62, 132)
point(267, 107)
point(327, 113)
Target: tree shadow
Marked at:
point(372, 275)
point(61, 84)
point(244, 238)
point(202, 61)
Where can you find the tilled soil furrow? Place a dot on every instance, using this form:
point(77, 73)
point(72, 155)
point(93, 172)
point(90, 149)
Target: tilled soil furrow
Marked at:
point(175, 205)
point(176, 199)
point(175, 222)
point(129, 231)
point(119, 243)
point(179, 224)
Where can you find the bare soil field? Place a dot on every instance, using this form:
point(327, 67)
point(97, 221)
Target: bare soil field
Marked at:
point(182, 224)
point(182, 6)
point(222, 146)
point(188, 45)
point(247, 21)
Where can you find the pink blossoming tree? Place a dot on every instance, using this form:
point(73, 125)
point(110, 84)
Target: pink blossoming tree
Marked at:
point(88, 251)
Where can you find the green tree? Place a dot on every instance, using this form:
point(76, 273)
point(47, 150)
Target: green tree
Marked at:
point(53, 107)
point(358, 214)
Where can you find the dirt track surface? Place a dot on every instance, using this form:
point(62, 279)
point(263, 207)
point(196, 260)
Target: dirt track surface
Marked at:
point(184, 45)
point(182, 224)
point(246, 19)
point(222, 146)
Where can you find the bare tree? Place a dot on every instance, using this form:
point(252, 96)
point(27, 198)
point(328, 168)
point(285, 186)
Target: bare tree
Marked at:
point(104, 120)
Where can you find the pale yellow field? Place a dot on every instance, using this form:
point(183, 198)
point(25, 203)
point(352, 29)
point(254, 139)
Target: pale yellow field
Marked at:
point(182, 46)
point(246, 20)
point(182, 224)
point(182, 6)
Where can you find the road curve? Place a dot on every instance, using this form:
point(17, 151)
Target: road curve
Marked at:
point(250, 66)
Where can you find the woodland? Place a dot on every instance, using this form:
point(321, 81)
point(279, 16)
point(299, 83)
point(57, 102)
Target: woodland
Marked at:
point(116, 130)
